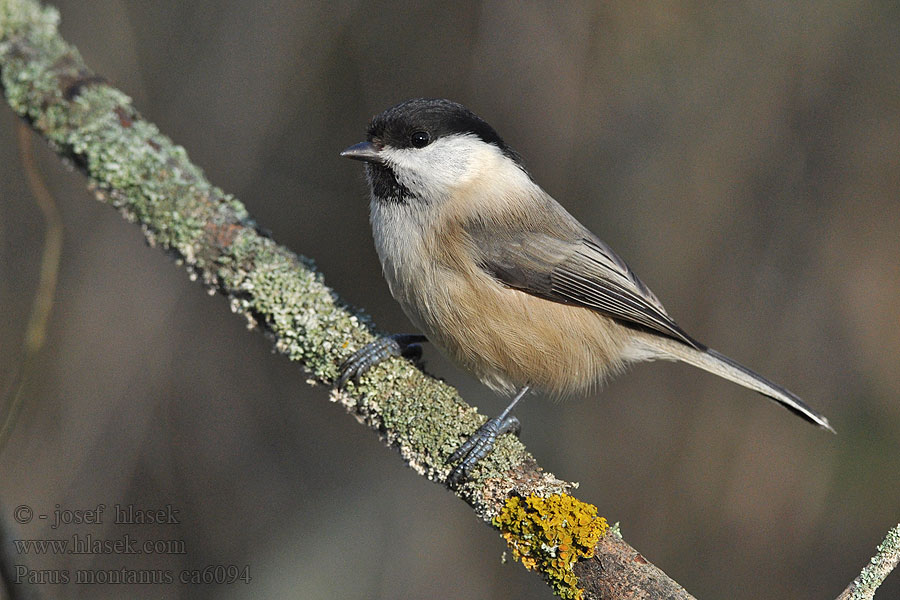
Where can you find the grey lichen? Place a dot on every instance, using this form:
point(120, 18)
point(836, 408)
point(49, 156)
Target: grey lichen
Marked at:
point(880, 566)
point(133, 167)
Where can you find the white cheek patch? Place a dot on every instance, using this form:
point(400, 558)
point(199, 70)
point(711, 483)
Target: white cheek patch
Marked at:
point(433, 171)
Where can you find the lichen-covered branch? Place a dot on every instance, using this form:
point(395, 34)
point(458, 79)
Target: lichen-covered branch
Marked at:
point(886, 558)
point(132, 166)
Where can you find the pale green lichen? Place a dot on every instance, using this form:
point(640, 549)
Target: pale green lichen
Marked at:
point(879, 567)
point(550, 534)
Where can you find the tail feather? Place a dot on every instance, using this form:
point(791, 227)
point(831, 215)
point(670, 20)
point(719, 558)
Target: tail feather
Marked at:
point(719, 364)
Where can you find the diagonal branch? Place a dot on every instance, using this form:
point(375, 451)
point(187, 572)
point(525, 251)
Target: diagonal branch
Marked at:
point(886, 558)
point(133, 167)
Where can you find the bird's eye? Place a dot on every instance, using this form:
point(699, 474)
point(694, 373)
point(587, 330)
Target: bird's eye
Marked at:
point(419, 139)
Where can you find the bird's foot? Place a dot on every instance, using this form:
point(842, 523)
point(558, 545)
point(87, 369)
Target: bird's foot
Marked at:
point(479, 445)
point(405, 345)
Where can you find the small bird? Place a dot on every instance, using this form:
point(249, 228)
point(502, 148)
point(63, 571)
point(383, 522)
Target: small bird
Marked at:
point(501, 278)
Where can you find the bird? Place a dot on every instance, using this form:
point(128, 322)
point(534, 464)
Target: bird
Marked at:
point(501, 278)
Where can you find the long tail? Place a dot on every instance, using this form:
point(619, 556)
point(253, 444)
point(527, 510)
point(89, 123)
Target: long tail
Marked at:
point(719, 364)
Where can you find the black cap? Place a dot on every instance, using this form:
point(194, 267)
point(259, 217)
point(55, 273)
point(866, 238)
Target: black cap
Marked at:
point(436, 117)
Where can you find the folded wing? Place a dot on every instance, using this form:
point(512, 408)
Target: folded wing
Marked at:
point(572, 267)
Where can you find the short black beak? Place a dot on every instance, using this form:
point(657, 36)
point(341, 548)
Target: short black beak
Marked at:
point(366, 151)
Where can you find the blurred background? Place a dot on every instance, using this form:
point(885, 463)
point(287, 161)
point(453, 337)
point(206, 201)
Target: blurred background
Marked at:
point(742, 157)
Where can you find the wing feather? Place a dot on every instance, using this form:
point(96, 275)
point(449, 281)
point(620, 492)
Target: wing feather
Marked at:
point(572, 267)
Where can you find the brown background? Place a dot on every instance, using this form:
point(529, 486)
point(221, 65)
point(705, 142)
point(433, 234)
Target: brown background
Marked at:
point(743, 157)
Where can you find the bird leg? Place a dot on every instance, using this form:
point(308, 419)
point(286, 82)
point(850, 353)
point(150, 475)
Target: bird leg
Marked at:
point(482, 441)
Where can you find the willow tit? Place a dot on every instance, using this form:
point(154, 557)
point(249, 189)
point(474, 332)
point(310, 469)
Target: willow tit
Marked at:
point(501, 278)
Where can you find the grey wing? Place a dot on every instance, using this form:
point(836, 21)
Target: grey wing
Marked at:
point(576, 269)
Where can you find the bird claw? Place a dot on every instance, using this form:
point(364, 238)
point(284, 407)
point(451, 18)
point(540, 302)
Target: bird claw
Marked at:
point(374, 353)
point(479, 445)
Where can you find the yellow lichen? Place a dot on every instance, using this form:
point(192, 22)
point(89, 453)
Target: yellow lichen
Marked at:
point(550, 534)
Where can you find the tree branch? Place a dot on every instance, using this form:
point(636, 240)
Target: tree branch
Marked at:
point(150, 180)
point(885, 560)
